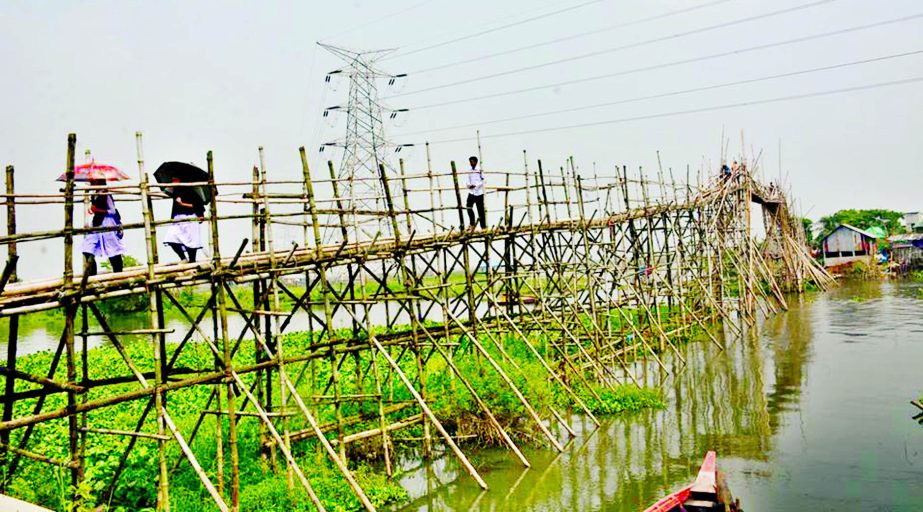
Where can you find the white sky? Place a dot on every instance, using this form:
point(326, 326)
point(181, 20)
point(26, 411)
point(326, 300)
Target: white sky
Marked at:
point(231, 76)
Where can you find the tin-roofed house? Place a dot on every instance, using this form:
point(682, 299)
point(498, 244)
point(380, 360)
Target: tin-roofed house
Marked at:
point(847, 244)
point(907, 248)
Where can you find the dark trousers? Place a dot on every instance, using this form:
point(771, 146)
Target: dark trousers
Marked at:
point(476, 201)
point(115, 262)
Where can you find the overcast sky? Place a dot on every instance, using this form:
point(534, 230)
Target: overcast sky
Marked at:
point(231, 76)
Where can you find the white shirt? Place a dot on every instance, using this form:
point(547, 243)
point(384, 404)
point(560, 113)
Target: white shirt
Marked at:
point(476, 181)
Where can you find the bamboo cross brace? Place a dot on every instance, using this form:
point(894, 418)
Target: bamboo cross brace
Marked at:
point(429, 413)
point(522, 399)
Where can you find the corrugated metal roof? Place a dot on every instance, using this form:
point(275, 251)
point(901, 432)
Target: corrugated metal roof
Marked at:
point(905, 237)
point(853, 228)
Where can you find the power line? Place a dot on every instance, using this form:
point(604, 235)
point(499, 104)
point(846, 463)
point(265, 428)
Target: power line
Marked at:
point(495, 29)
point(692, 111)
point(573, 36)
point(597, 53)
point(675, 63)
point(674, 93)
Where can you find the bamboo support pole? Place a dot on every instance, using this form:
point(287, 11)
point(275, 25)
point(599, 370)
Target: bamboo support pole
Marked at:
point(426, 410)
point(227, 362)
point(12, 343)
point(575, 282)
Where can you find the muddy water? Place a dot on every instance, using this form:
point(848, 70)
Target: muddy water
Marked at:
point(811, 414)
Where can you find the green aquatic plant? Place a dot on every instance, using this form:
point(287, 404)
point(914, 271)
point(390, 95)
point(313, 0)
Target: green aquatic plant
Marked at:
point(265, 487)
point(625, 398)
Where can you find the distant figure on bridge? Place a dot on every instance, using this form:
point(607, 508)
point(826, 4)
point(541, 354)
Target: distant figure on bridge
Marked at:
point(725, 172)
point(735, 167)
point(107, 244)
point(475, 194)
point(184, 237)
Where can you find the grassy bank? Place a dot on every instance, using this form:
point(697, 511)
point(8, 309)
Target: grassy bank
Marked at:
point(264, 484)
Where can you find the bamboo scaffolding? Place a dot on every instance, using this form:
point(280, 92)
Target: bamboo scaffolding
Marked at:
point(592, 273)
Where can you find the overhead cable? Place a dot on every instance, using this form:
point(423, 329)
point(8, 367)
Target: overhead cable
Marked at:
point(495, 29)
point(674, 93)
point(690, 60)
point(597, 53)
point(692, 111)
point(573, 36)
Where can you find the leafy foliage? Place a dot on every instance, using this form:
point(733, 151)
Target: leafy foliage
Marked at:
point(889, 220)
point(265, 487)
point(806, 225)
point(623, 399)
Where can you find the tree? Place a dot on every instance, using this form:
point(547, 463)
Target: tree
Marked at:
point(806, 224)
point(888, 220)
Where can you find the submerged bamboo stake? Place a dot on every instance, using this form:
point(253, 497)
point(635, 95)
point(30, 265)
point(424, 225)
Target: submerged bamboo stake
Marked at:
point(227, 361)
point(426, 410)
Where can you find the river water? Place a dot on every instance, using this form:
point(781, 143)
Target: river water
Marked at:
point(811, 414)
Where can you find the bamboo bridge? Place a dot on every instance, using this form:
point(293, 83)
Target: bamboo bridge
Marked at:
point(603, 268)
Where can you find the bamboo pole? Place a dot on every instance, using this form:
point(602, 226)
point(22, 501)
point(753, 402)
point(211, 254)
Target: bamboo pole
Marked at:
point(12, 343)
point(227, 361)
point(575, 272)
point(163, 495)
point(426, 410)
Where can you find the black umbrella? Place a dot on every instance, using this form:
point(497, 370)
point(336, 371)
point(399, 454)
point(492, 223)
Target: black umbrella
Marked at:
point(186, 173)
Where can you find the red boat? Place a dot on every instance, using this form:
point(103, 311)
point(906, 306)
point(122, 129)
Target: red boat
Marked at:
point(709, 493)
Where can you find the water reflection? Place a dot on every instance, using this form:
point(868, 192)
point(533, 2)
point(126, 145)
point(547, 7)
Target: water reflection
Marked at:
point(803, 418)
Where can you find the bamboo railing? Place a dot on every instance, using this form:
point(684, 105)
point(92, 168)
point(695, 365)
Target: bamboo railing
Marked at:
point(600, 268)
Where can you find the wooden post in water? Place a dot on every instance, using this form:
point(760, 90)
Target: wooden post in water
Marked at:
point(227, 360)
point(163, 497)
point(328, 315)
point(70, 312)
point(12, 342)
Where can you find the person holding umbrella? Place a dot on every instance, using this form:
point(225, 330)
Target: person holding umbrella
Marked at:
point(189, 201)
point(184, 237)
point(103, 214)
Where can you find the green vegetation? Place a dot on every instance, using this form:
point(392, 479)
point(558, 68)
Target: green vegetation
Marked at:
point(264, 485)
point(888, 220)
point(861, 270)
point(806, 225)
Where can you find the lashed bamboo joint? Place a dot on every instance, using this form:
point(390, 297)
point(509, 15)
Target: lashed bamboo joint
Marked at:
point(580, 273)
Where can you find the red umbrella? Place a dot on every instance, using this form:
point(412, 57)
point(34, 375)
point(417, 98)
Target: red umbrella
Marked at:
point(95, 171)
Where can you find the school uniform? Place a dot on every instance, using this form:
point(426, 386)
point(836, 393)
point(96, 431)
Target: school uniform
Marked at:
point(476, 196)
point(107, 244)
point(185, 233)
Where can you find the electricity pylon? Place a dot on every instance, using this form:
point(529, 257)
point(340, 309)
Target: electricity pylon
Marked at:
point(365, 147)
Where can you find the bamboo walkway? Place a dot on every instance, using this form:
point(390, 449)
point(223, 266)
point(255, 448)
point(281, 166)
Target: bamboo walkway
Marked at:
point(601, 268)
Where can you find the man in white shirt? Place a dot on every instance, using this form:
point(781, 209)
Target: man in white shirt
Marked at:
point(475, 194)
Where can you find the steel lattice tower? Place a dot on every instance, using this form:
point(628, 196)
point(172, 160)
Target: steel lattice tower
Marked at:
point(365, 147)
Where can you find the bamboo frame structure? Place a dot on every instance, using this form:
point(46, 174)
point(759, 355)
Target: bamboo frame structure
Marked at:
point(582, 273)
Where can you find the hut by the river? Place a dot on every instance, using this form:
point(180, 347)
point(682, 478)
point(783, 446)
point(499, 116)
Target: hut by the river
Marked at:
point(848, 244)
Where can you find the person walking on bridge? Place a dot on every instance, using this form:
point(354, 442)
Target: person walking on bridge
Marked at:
point(104, 244)
point(184, 237)
point(476, 194)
